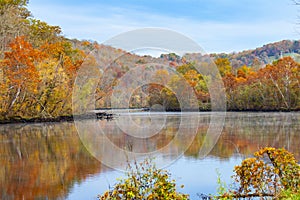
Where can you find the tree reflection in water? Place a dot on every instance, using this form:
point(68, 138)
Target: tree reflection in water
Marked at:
point(46, 160)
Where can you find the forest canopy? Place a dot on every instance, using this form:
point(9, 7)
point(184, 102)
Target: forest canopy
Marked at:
point(39, 67)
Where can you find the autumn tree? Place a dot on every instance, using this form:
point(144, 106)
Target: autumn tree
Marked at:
point(224, 66)
point(40, 33)
point(284, 75)
point(273, 87)
point(14, 21)
point(37, 80)
point(21, 78)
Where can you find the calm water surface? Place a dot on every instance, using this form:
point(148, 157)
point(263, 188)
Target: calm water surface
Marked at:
point(48, 160)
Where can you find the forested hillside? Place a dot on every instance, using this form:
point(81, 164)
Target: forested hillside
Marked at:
point(39, 66)
point(266, 54)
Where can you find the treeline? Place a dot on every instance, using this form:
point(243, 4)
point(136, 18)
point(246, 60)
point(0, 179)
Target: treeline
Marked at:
point(275, 87)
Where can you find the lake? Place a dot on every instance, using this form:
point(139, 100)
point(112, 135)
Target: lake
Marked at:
point(53, 161)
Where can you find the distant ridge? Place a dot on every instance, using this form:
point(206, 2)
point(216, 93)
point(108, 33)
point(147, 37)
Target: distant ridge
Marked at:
point(253, 58)
point(263, 55)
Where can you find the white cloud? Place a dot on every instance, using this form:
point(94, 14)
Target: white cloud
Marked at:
point(102, 22)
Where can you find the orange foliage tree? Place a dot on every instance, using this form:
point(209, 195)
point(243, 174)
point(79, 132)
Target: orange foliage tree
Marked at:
point(38, 82)
point(21, 78)
point(274, 87)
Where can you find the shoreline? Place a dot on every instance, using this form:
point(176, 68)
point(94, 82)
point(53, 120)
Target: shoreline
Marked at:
point(66, 118)
point(110, 116)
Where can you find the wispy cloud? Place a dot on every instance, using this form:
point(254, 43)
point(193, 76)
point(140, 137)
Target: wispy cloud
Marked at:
point(100, 22)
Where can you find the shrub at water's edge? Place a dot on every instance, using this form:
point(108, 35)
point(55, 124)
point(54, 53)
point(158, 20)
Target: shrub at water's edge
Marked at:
point(271, 173)
point(144, 181)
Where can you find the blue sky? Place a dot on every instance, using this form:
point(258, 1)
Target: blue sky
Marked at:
point(216, 25)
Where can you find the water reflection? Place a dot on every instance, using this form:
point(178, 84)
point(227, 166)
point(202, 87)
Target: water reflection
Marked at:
point(41, 161)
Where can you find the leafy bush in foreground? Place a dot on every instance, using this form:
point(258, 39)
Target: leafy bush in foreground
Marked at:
point(271, 173)
point(144, 181)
